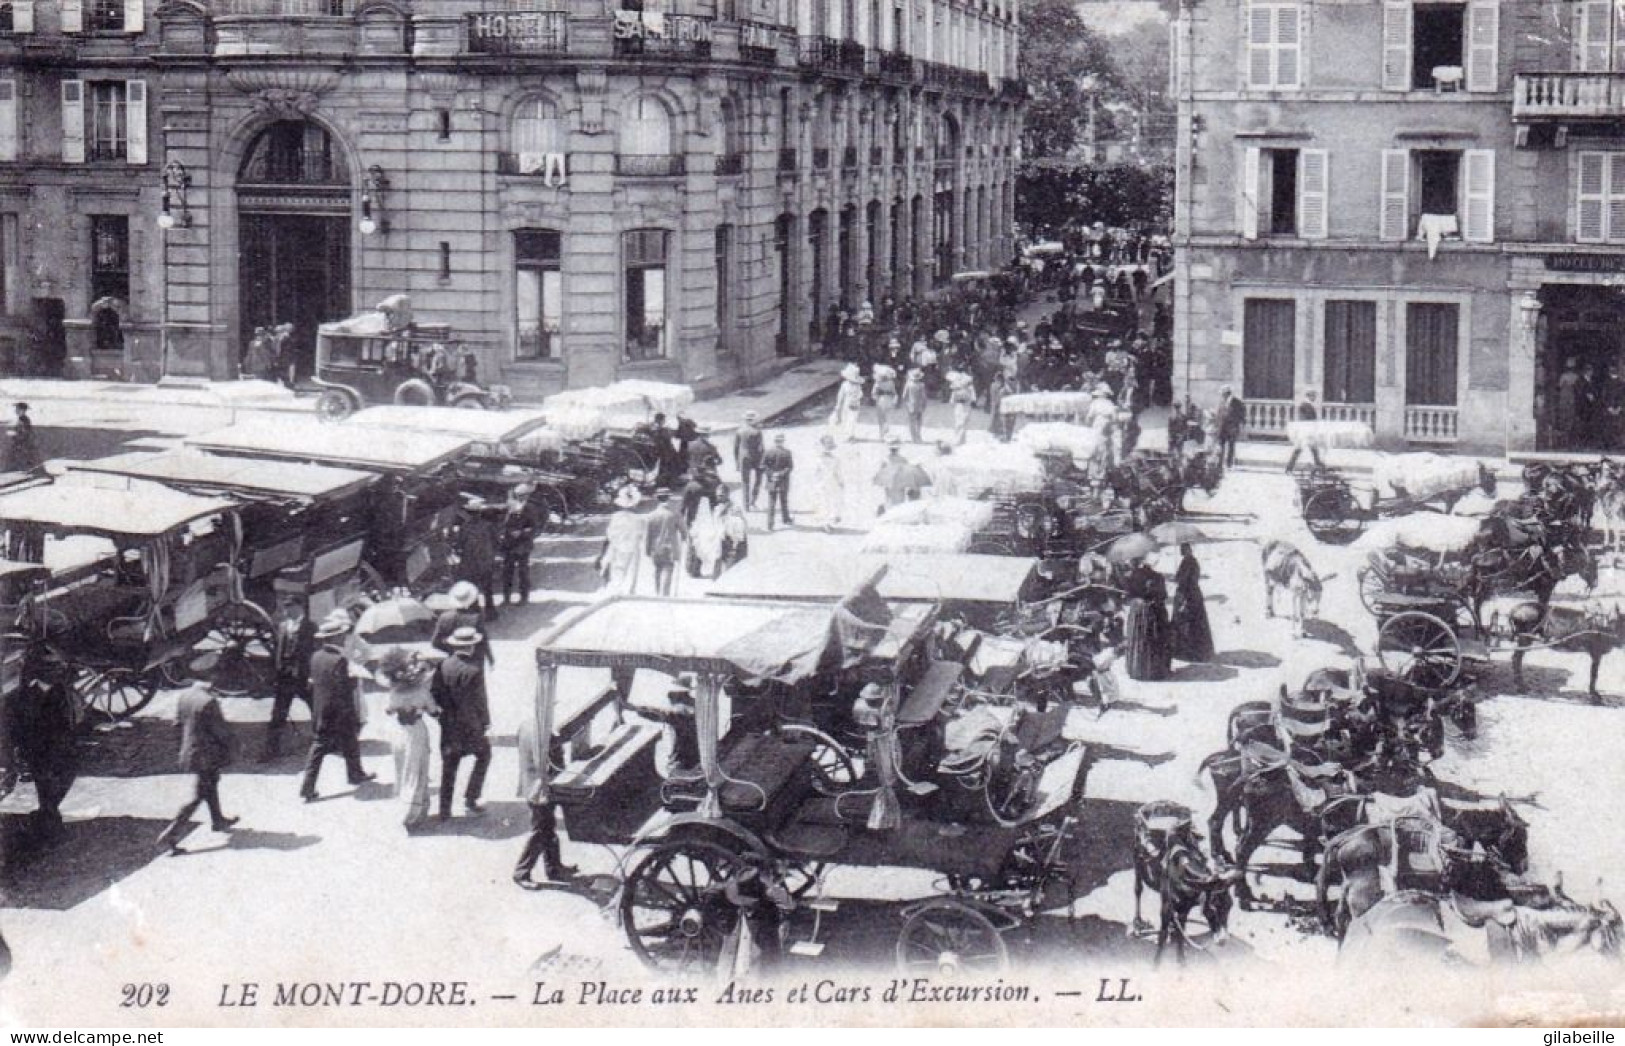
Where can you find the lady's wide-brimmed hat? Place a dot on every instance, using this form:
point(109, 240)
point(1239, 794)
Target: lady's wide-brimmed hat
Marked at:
point(335, 624)
point(628, 497)
point(851, 372)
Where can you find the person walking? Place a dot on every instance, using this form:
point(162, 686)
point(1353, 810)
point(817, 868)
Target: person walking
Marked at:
point(748, 451)
point(777, 465)
point(998, 423)
point(830, 482)
point(665, 534)
point(1101, 416)
point(915, 398)
point(1191, 635)
point(458, 608)
point(205, 751)
point(622, 553)
point(477, 549)
point(1306, 410)
point(465, 719)
point(542, 844)
point(885, 396)
point(42, 723)
point(407, 678)
point(735, 533)
point(848, 400)
point(1232, 414)
point(900, 479)
point(516, 538)
point(1145, 626)
point(962, 395)
point(290, 660)
point(22, 452)
point(337, 712)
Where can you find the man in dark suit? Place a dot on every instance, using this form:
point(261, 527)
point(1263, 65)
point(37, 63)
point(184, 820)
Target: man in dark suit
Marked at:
point(518, 539)
point(205, 751)
point(478, 541)
point(465, 718)
point(777, 464)
point(335, 717)
point(295, 643)
point(543, 842)
point(463, 612)
point(41, 721)
point(748, 450)
point(1232, 415)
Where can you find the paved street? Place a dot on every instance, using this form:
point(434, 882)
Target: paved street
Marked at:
point(331, 889)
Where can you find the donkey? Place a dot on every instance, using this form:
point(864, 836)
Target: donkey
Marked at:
point(1285, 566)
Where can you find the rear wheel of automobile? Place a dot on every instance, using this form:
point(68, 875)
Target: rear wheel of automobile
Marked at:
point(469, 401)
point(414, 392)
point(334, 405)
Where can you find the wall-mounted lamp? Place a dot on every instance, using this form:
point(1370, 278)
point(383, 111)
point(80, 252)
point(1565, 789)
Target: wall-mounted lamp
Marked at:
point(1529, 308)
point(175, 211)
point(373, 217)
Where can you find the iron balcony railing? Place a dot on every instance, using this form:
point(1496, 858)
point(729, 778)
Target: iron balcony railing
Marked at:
point(633, 166)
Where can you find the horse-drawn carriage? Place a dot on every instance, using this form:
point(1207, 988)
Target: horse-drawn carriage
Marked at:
point(988, 803)
point(1337, 511)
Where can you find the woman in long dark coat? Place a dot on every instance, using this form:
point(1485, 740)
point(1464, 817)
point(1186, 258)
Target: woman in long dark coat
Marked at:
point(1146, 632)
point(1192, 637)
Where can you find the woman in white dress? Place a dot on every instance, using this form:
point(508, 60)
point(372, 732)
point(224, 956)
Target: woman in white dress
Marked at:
point(409, 703)
point(623, 545)
point(705, 543)
point(830, 483)
point(848, 400)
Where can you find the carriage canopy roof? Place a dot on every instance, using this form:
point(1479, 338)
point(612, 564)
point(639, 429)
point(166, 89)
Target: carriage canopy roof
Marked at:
point(783, 641)
point(907, 579)
point(482, 426)
point(111, 507)
point(311, 439)
point(191, 468)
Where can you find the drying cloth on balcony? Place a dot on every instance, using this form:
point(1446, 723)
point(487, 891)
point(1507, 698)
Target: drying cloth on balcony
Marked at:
point(1436, 227)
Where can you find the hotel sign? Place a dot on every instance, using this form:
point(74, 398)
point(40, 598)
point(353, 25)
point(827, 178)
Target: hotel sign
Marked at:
point(1585, 262)
point(517, 32)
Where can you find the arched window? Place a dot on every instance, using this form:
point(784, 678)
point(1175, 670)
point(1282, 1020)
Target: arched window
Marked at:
point(538, 132)
point(730, 150)
point(293, 152)
point(646, 138)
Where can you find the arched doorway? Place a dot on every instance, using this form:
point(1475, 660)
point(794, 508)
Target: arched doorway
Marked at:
point(293, 212)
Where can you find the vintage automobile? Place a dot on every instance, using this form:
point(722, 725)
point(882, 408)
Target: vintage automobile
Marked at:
point(384, 356)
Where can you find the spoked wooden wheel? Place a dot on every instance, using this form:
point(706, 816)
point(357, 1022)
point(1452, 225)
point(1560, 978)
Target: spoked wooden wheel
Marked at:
point(1373, 584)
point(833, 769)
point(946, 938)
point(675, 909)
point(1420, 648)
point(243, 642)
point(1332, 516)
point(114, 693)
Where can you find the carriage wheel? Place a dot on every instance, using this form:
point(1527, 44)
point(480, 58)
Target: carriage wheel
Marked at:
point(833, 768)
point(1373, 585)
point(1420, 648)
point(1332, 516)
point(945, 938)
point(243, 640)
point(674, 908)
point(114, 693)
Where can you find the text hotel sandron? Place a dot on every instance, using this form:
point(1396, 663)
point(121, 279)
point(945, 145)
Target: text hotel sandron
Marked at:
point(592, 993)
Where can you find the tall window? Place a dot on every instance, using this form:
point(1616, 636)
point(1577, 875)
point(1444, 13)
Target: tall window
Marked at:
point(645, 291)
point(1600, 198)
point(1431, 330)
point(538, 294)
point(1268, 340)
point(104, 16)
point(537, 132)
point(1599, 36)
point(1449, 46)
point(109, 257)
point(109, 120)
point(1274, 46)
point(1351, 352)
point(645, 142)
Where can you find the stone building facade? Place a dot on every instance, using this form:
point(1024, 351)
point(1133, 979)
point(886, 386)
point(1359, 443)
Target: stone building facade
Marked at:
point(582, 191)
point(1409, 207)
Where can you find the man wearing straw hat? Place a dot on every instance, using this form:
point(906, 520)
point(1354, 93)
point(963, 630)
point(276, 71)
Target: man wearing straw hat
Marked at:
point(336, 716)
point(294, 646)
point(477, 541)
point(465, 719)
point(458, 608)
point(205, 750)
point(1306, 410)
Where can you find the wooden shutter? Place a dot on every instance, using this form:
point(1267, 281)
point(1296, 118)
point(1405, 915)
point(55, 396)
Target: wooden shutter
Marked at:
point(1249, 192)
point(22, 16)
point(1591, 19)
point(1396, 194)
point(1312, 197)
point(8, 120)
point(1260, 56)
point(73, 16)
point(1289, 45)
point(135, 117)
point(1173, 58)
point(1614, 216)
point(73, 121)
point(1479, 184)
point(1396, 45)
point(135, 16)
point(1483, 36)
point(1590, 217)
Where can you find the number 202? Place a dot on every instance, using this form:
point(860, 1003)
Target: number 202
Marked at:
point(140, 996)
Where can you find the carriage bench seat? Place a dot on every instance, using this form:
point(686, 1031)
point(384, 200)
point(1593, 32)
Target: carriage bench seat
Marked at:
point(809, 835)
point(625, 743)
point(924, 702)
point(768, 778)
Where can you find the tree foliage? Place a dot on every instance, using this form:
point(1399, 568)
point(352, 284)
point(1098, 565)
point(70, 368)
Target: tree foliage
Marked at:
point(1050, 194)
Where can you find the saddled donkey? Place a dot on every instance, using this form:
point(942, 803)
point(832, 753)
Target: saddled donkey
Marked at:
point(1286, 567)
point(1174, 865)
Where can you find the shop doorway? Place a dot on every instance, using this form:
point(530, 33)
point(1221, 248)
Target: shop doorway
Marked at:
point(1580, 369)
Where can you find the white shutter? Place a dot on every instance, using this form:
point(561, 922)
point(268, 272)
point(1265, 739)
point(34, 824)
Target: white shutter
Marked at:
point(1260, 56)
point(1396, 194)
point(1173, 58)
point(73, 16)
point(1288, 45)
point(135, 116)
point(1249, 192)
point(1480, 196)
point(1396, 45)
point(73, 121)
point(1591, 34)
point(8, 121)
point(135, 16)
point(1619, 37)
point(1589, 216)
point(22, 16)
point(1313, 173)
point(1614, 220)
point(1483, 33)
